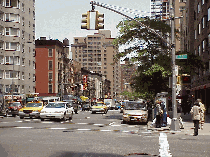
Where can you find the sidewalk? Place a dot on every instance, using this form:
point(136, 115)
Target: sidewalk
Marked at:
point(188, 126)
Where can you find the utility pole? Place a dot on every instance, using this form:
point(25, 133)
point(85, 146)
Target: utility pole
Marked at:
point(174, 122)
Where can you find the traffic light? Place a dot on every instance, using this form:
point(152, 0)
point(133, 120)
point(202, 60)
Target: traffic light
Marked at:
point(178, 80)
point(186, 79)
point(86, 19)
point(99, 21)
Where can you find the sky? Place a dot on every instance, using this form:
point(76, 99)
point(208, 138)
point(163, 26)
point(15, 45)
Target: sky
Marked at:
point(59, 19)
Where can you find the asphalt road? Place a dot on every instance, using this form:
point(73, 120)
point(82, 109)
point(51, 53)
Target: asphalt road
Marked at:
point(91, 135)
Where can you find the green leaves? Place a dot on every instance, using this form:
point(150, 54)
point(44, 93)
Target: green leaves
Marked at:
point(152, 54)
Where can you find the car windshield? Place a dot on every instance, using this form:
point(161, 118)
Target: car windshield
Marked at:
point(135, 106)
point(14, 104)
point(34, 105)
point(98, 104)
point(56, 105)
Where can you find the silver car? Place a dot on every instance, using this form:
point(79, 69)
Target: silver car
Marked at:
point(135, 111)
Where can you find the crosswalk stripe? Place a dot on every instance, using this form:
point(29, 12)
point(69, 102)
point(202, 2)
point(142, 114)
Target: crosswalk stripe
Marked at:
point(164, 146)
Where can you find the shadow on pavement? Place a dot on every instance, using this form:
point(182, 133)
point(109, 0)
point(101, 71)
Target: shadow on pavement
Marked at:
point(73, 154)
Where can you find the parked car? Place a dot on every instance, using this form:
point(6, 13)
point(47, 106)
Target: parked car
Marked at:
point(13, 108)
point(32, 109)
point(99, 107)
point(57, 110)
point(86, 107)
point(135, 111)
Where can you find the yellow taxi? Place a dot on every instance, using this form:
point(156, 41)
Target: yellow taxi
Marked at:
point(32, 109)
point(99, 107)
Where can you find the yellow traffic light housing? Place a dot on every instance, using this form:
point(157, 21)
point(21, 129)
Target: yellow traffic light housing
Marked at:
point(99, 21)
point(86, 19)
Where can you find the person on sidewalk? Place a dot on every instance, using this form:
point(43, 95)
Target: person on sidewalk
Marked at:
point(195, 112)
point(179, 112)
point(203, 109)
point(158, 114)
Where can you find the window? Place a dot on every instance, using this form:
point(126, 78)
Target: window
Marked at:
point(195, 34)
point(199, 7)
point(16, 88)
point(10, 74)
point(10, 17)
point(34, 64)
point(203, 45)
point(208, 14)
point(23, 48)
point(50, 65)
point(34, 77)
point(1, 59)
point(8, 88)
point(199, 50)
point(12, 46)
point(50, 54)
point(23, 89)
point(23, 61)
point(50, 75)
point(11, 3)
point(203, 2)
point(11, 31)
point(22, 7)
point(203, 22)
point(50, 88)
point(1, 74)
point(22, 75)
point(29, 63)
point(23, 23)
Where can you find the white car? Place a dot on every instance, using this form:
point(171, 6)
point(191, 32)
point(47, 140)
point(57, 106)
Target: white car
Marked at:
point(57, 110)
point(135, 111)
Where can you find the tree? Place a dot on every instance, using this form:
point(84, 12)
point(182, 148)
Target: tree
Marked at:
point(151, 52)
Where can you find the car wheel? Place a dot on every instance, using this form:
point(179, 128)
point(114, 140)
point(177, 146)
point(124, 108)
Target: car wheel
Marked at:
point(42, 119)
point(124, 122)
point(21, 117)
point(93, 112)
point(70, 118)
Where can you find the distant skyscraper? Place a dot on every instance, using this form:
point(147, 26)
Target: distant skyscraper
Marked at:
point(17, 46)
point(96, 53)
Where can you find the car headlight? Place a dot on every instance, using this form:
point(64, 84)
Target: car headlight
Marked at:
point(36, 111)
point(43, 112)
point(20, 111)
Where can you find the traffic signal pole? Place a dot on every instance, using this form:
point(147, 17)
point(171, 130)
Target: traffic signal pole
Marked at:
point(174, 122)
point(171, 45)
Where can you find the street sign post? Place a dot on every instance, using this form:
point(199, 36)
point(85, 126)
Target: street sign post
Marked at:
point(183, 56)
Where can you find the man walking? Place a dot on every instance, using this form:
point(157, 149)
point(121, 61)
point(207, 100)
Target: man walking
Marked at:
point(203, 109)
point(195, 112)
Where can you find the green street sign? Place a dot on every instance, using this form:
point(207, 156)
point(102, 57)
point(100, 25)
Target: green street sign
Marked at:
point(184, 56)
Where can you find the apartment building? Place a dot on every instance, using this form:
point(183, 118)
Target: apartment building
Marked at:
point(127, 73)
point(54, 70)
point(17, 46)
point(96, 53)
point(159, 9)
point(196, 39)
